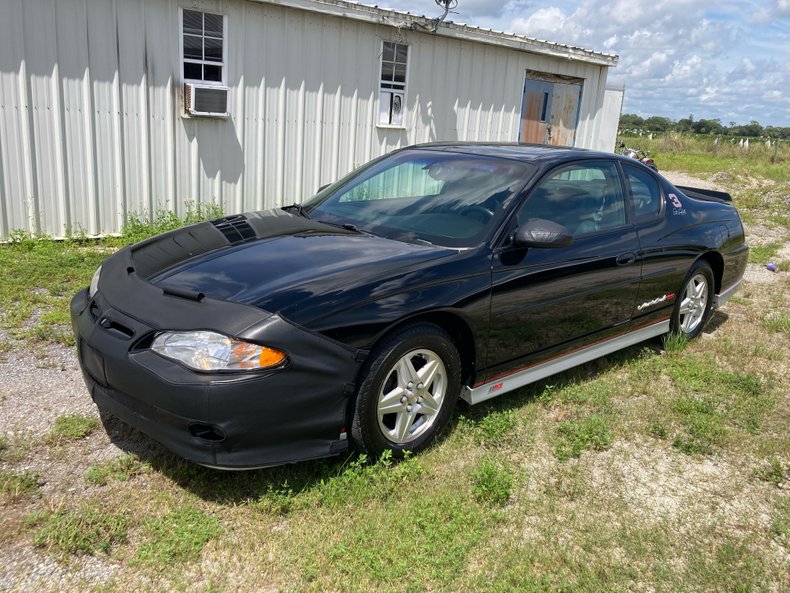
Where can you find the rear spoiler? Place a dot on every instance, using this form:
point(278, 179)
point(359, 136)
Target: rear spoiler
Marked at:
point(705, 194)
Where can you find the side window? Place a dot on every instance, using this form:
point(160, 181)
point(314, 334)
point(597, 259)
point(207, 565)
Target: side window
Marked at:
point(645, 192)
point(584, 197)
point(392, 83)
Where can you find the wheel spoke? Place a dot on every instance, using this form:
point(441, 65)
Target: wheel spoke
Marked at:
point(402, 425)
point(406, 372)
point(428, 372)
point(391, 403)
point(685, 306)
point(699, 289)
point(429, 405)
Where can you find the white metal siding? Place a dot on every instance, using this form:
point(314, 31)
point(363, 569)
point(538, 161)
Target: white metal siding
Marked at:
point(91, 102)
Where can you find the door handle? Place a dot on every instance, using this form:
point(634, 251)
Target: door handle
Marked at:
point(625, 259)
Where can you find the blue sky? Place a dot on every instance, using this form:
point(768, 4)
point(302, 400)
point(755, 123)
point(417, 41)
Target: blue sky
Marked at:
point(727, 59)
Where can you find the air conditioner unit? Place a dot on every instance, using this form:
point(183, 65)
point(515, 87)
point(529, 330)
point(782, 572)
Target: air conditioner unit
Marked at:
point(205, 100)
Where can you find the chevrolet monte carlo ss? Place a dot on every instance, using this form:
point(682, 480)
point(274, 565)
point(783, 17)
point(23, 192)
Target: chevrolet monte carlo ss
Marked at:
point(360, 317)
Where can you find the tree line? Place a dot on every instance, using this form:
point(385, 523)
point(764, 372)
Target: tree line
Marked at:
point(714, 127)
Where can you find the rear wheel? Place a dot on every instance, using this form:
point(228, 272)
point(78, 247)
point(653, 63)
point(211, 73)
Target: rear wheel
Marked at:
point(693, 305)
point(408, 391)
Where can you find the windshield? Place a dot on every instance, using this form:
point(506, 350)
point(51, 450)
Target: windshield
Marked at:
point(442, 198)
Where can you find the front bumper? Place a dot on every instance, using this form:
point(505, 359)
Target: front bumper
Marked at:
point(230, 420)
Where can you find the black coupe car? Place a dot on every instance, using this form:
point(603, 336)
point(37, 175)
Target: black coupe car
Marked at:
point(360, 317)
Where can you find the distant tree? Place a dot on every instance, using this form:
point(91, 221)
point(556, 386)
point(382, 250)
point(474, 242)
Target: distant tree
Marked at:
point(684, 125)
point(708, 126)
point(658, 124)
point(631, 121)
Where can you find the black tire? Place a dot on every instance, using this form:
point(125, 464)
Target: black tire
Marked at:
point(689, 319)
point(373, 430)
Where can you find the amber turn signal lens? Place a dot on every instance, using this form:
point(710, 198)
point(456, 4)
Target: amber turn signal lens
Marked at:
point(270, 357)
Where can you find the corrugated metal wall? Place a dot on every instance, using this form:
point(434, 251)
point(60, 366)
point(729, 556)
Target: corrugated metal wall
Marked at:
point(91, 124)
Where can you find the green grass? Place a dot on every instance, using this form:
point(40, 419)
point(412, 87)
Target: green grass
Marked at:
point(119, 470)
point(15, 486)
point(776, 321)
point(762, 254)
point(774, 472)
point(82, 530)
point(492, 482)
point(575, 436)
point(71, 427)
point(177, 536)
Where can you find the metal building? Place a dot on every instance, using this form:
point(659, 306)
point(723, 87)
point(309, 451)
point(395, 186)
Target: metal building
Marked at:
point(111, 107)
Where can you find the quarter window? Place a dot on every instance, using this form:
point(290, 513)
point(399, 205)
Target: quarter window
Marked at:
point(645, 193)
point(203, 46)
point(583, 197)
point(392, 83)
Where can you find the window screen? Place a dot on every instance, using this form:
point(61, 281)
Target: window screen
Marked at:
point(203, 46)
point(392, 85)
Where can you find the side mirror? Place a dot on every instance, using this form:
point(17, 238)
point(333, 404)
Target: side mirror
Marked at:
point(537, 232)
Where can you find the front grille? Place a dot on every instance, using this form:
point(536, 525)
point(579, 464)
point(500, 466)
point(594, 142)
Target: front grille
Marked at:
point(235, 228)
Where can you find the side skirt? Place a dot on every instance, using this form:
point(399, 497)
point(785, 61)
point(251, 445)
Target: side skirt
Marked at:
point(541, 370)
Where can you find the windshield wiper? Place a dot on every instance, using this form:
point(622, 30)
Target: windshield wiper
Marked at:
point(299, 209)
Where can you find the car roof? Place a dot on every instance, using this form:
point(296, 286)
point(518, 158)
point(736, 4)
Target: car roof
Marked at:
point(532, 153)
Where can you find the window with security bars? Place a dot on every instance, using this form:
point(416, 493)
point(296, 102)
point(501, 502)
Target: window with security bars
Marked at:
point(392, 87)
point(203, 45)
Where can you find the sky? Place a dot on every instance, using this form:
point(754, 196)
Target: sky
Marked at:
point(726, 59)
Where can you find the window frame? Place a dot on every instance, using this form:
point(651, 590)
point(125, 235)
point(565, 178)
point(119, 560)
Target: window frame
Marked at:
point(182, 60)
point(403, 92)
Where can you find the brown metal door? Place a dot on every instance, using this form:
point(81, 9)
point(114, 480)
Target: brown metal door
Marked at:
point(550, 109)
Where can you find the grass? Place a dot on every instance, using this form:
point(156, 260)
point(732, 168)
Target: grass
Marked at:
point(120, 470)
point(71, 427)
point(177, 536)
point(83, 530)
point(663, 467)
point(14, 486)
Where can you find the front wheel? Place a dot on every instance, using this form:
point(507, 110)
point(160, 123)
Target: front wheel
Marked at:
point(408, 391)
point(693, 306)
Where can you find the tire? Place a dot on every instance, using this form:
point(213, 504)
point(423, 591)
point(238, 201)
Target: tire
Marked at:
point(391, 380)
point(694, 301)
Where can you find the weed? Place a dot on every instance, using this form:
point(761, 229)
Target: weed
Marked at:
point(492, 482)
point(71, 427)
point(494, 428)
point(178, 536)
point(774, 472)
point(658, 430)
point(14, 486)
point(762, 254)
point(675, 343)
point(575, 436)
point(120, 469)
point(776, 321)
point(83, 530)
point(780, 522)
point(703, 423)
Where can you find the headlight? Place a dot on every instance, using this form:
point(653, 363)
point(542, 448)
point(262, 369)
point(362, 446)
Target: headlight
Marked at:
point(94, 283)
point(210, 351)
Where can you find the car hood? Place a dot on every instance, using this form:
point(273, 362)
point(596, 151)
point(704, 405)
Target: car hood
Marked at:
point(283, 263)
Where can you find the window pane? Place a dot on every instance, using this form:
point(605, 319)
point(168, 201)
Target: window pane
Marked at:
point(213, 49)
point(214, 25)
point(212, 73)
point(583, 198)
point(645, 194)
point(387, 70)
point(193, 71)
point(389, 51)
point(400, 72)
point(193, 47)
point(193, 22)
point(402, 53)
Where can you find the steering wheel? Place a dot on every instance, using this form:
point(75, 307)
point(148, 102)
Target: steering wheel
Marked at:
point(479, 213)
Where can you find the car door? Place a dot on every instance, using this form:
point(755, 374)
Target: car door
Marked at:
point(547, 300)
